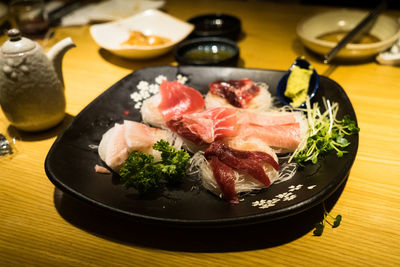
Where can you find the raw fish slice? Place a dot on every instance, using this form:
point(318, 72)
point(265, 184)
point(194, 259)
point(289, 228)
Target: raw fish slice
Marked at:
point(178, 99)
point(113, 149)
point(225, 178)
point(138, 136)
point(283, 131)
point(266, 119)
point(243, 181)
point(212, 178)
point(256, 144)
point(262, 101)
point(150, 113)
point(225, 121)
point(101, 169)
point(236, 92)
point(206, 126)
point(120, 140)
point(250, 162)
point(284, 138)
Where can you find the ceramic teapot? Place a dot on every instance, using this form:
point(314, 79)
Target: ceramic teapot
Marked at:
point(31, 83)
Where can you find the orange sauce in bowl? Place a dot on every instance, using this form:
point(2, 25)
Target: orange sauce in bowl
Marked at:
point(138, 38)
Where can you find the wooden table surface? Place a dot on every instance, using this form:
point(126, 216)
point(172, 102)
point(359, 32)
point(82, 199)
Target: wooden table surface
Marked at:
point(41, 226)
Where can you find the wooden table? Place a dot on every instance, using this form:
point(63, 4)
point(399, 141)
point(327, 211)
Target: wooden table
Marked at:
point(40, 226)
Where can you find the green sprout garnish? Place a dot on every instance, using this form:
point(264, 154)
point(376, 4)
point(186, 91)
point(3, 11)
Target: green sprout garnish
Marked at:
point(320, 226)
point(325, 133)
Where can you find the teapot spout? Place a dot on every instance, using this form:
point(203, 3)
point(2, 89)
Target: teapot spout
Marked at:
point(56, 54)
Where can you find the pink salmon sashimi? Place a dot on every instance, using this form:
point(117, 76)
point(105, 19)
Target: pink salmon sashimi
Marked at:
point(206, 126)
point(178, 99)
point(280, 131)
point(286, 136)
point(266, 119)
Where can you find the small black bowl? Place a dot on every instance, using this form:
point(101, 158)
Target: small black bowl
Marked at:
point(205, 51)
point(216, 25)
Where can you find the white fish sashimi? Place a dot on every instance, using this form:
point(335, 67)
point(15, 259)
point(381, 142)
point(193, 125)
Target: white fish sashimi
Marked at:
point(120, 140)
point(150, 113)
point(113, 149)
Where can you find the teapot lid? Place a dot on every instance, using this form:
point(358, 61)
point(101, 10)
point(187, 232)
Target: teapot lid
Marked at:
point(17, 43)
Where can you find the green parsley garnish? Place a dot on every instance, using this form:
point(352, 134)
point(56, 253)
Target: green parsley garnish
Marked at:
point(326, 133)
point(142, 172)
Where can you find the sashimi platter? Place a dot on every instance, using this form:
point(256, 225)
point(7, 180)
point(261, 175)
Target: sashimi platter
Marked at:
point(207, 147)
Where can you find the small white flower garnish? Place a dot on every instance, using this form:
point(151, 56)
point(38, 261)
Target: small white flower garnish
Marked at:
point(182, 79)
point(160, 78)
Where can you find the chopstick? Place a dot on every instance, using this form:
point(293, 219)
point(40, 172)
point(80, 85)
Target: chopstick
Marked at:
point(350, 36)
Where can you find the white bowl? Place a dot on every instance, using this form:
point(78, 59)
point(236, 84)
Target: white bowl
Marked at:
point(112, 35)
point(386, 28)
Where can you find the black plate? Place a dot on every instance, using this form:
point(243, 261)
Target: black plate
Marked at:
point(70, 161)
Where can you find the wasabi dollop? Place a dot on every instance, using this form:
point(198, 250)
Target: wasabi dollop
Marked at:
point(297, 85)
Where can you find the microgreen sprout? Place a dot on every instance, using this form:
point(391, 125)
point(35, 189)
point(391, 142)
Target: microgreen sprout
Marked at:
point(329, 219)
point(325, 133)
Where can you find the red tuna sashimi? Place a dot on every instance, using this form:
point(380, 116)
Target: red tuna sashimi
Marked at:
point(247, 161)
point(178, 99)
point(286, 136)
point(224, 176)
point(237, 92)
point(206, 126)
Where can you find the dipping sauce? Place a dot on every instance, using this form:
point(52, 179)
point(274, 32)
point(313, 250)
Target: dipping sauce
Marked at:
point(209, 53)
point(339, 35)
point(138, 38)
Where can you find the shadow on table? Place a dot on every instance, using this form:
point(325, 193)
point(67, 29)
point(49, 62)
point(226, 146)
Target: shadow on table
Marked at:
point(41, 135)
point(119, 228)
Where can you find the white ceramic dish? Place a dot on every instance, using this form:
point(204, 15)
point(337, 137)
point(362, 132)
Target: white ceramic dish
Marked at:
point(386, 28)
point(111, 35)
